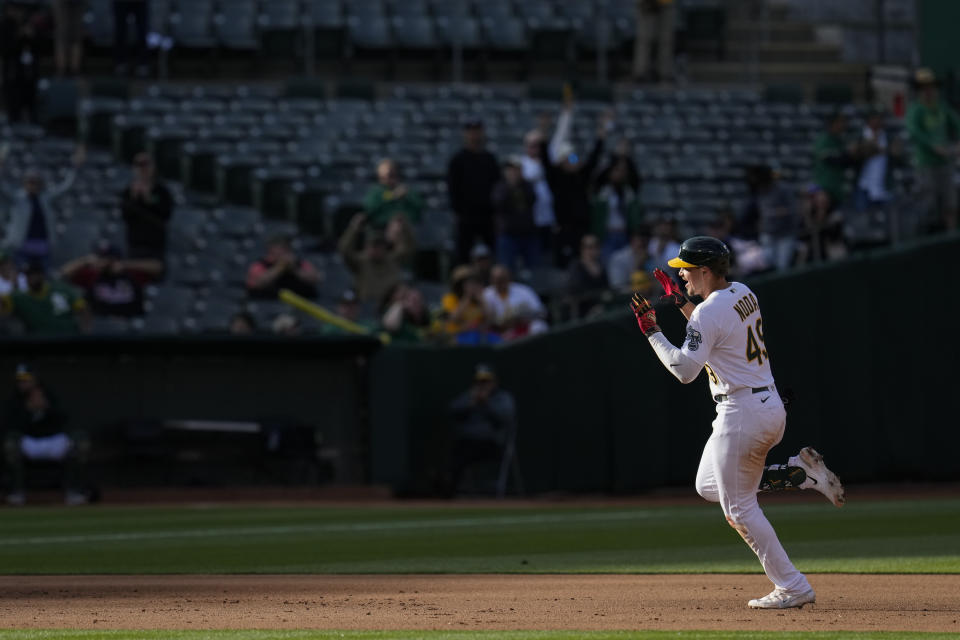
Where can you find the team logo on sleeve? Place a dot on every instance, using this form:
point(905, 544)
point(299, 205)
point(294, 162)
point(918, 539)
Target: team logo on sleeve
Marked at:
point(693, 339)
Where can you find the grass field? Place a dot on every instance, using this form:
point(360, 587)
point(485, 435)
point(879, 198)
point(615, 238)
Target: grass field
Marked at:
point(869, 537)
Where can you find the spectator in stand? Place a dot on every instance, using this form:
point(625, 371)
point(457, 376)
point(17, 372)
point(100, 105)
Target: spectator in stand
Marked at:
point(47, 308)
point(390, 197)
point(348, 306)
point(287, 325)
point(36, 429)
point(534, 174)
point(831, 157)
point(146, 206)
point(19, 57)
point(242, 324)
point(779, 219)
point(68, 36)
point(633, 258)
point(616, 205)
point(934, 128)
point(569, 177)
point(405, 316)
point(663, 245)
point(484, 420)
point(642, 283)
point(380, 264)
point(588, 279)
point(281, 268)
point(464, 316)
point(139, 11)
point(514, 309)
point(513, 199)
point(113, 286)
point(30, 228)
point(823, 227)
point(482, 263)
point(656, 20)
point(877, 153)
point(11, 278)
point(470, 178)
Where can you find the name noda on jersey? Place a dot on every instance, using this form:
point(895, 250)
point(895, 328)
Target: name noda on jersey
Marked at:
point(725, 335)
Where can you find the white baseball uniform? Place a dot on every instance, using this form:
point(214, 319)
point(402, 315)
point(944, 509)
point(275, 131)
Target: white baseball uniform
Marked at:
point(725, 337)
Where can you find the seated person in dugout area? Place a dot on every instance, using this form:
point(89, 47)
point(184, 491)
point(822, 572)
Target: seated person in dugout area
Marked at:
point(483, 419)
point(35, 428)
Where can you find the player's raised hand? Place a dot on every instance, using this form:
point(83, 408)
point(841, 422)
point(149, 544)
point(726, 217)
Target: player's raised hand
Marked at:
point(646, 316)
point(672, 292)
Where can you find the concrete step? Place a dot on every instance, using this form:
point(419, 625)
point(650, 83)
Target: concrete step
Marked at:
point(777, 51)
point(808, 75)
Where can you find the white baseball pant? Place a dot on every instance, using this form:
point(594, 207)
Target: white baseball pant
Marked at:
point(747, 426)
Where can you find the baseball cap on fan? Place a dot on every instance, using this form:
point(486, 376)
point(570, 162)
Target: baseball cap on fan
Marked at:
point(699, 251)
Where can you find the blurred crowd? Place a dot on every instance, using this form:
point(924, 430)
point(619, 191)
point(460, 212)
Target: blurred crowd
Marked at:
point(548, 234)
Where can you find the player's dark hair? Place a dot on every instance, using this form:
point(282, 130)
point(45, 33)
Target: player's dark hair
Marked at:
point(720, 268)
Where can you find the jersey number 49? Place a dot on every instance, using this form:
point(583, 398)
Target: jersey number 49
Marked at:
point(755, 350)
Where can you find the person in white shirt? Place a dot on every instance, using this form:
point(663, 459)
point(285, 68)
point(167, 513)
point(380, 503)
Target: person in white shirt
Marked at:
point(533, 173)
point(875, 149)
point(725, 337)
point(514, 308)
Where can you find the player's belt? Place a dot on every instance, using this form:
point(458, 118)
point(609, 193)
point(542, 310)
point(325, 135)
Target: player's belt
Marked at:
point(722, 397)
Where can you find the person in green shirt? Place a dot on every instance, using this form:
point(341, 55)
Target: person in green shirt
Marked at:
point(390, 197)
point(934, 128)
point(831, 157)
point(47, 307)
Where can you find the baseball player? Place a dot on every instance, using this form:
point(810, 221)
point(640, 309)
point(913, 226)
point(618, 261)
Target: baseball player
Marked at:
point(725, 338)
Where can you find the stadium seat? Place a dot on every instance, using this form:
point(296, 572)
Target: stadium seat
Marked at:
point(96, 119)
point(198, 163)
point(410, 8)
point(98, 23)
point(164, 143)
point(57, 102)
point(170, 301)
point(237, 29)
point(270, 186)
point(371, 34)
point(415, 34)
point(507, 36)
point(129, 135)
point(233, 178)
point(192, 26)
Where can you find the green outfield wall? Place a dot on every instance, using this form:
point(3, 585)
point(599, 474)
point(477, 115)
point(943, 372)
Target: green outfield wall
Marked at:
point(868, 347)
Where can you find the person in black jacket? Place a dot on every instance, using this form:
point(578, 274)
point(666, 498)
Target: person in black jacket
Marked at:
point(517, 236)
point(147, 206)
point(569, 177)
point(472, 173)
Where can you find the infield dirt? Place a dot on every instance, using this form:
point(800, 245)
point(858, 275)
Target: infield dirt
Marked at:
point(587, 602)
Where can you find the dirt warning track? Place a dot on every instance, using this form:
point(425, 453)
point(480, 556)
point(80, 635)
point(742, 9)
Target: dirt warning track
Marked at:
point(587, 602)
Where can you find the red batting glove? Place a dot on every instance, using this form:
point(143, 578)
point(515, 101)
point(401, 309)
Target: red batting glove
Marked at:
point(672, 292)
point(646, 316)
